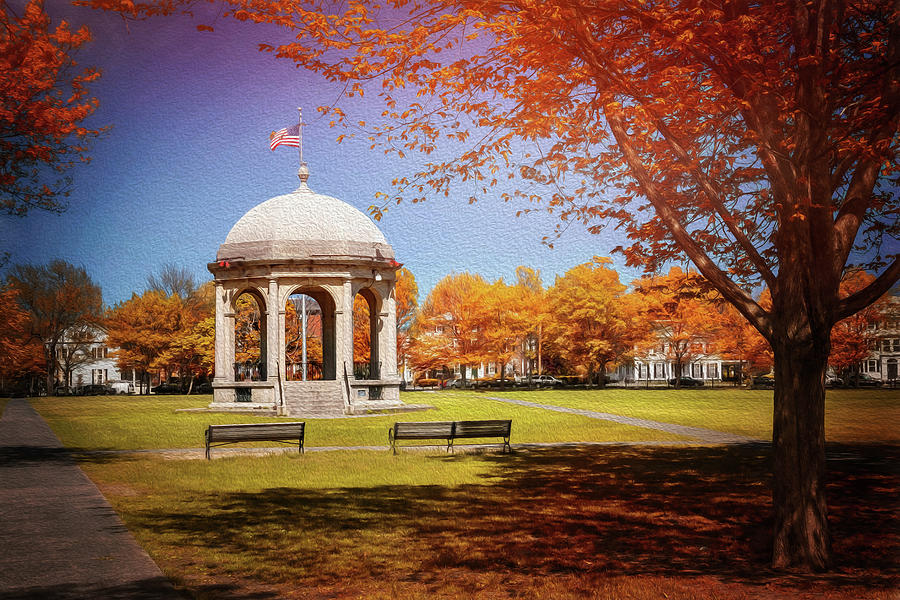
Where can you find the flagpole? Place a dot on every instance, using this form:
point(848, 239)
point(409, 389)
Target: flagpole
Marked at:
point(303, 172)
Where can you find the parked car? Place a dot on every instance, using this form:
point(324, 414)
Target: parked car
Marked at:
point(95, 389)
point(122, 387)
point(767, 380)
point(64, 390)
point(862, 380)
point(457, 383)
point(832, 381)
point(686, 381)
point(167, 388)
point(545, 381)
point(203, 388)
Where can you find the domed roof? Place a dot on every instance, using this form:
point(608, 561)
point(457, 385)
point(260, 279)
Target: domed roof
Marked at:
point(304, 225)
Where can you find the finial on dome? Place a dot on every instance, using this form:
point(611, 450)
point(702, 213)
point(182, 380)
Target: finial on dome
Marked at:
point(303, 172)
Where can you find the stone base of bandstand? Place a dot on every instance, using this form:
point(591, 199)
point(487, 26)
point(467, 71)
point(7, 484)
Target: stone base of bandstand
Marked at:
point(321, 398)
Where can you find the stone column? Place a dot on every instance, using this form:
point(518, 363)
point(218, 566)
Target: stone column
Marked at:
point(224, 337)
point(343, 337)
point(272, 327)
point(387, 341)
point(274, 333)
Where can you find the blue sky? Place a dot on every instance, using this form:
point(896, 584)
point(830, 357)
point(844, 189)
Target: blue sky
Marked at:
point(187, 155)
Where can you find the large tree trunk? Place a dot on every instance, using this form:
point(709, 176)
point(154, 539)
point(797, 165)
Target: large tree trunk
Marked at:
point(801, 518)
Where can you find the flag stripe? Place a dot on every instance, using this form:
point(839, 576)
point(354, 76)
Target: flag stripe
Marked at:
point(289, 136)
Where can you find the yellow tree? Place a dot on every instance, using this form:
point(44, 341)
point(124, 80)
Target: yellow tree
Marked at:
point(246, 330)
point(507, 322)
point(533, 300)
point(191, 349)
point(142, 329)
point(593, 323)
point(294, 333)
point(682, 311)
point(450, 324)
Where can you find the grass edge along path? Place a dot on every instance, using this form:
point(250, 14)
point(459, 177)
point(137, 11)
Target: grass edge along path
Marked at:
point(702, 434)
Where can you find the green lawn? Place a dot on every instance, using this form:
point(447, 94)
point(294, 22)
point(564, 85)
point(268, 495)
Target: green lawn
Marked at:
point(850, 415)
point(134, 422)
point(640, 522)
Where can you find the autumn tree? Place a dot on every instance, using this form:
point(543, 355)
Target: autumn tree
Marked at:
point(593, 323)
point(758, 140)
point(682, 314)
point(59, 298)
point(362, 334)
point(852, 338)
point(45, 101)
point(506, 322)
point(449, 325)
point(533, 298)
point(191, 349)
point(21, 353)
point(142, 329)
point(736, 339)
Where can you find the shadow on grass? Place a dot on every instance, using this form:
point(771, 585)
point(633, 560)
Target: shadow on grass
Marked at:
point(21, 456)
point(671, 512)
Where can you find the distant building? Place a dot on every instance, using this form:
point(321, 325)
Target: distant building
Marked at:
point(83, 358)
point(884, 360)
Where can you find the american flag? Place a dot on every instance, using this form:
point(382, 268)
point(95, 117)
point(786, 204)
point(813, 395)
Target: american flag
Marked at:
point(289, 136)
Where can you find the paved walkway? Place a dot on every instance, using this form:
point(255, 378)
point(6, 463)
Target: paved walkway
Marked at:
point(59, 538)
point(704, 435)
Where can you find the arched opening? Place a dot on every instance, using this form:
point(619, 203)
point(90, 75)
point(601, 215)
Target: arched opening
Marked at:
point(309, 336)
point(366, 364)
point(249, 338)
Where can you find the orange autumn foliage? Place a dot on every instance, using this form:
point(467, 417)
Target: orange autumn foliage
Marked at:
point(20, 351)
point(683, 314)
point(759, 140)
point(45, 101)
point(592, 322)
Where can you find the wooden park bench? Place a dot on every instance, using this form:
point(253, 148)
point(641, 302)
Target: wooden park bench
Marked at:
point(450, 431)
point(221, 435)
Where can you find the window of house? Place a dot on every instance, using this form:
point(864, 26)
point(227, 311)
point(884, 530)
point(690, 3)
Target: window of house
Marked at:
point(697, 370)
point(712, 370)
point(896, 344)
point(874, 366)
point(658, 371)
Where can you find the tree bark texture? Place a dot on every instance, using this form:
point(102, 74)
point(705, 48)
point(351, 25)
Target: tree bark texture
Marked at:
point(801, 537)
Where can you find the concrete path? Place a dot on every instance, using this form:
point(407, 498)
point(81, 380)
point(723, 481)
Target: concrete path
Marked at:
point(59, 537)
point(704, 435)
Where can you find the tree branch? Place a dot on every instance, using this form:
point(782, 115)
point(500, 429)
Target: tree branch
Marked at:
point(754, 313)
point(869, 294)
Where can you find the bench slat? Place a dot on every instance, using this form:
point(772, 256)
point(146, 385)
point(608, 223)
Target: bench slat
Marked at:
point(475, 429)
point(255, 432)
point(450, 430)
